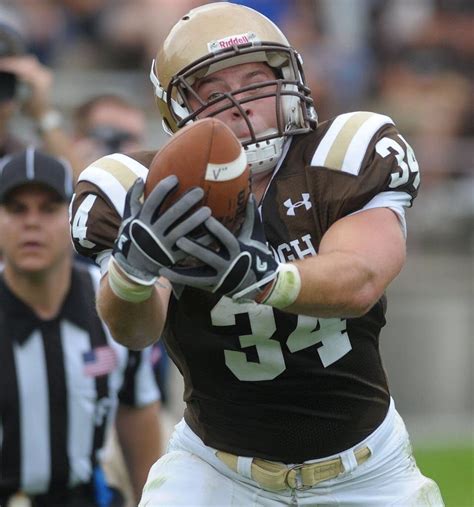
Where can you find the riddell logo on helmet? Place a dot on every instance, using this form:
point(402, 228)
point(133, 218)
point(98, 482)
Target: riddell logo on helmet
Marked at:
point(232, 40)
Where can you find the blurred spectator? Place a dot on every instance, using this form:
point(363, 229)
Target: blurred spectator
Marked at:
point(444, 26)
point(425, 64)
point(341, 54)
point(132, 31)
point(107, 123)
point(336, 50)
point(431, 102)
point(26, 88)
point(62, 31)
point(11, 44)
point(424, 82)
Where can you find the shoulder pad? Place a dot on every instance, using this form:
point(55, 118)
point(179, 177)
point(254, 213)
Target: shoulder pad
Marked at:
point(114, 175)
point(344, 145)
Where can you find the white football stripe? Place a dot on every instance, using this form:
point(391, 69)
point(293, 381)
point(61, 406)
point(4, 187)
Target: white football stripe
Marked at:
point(370, 123)
point(228, 170)
point(358, 146)
point(321, 153)
point(34, 410)
point(108, 182)
point(75, 342)
point(112, 188)
point(139, 169)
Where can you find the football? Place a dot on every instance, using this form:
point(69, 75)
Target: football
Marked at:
point(206, 154)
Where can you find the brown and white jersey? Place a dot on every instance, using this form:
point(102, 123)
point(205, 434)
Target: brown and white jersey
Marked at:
point(259, 381)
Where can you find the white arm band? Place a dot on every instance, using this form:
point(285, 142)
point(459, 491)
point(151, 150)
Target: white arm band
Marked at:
point(124, 288)
point(286, 287)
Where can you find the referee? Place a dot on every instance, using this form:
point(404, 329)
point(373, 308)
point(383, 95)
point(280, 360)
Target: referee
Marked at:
point(62, 377)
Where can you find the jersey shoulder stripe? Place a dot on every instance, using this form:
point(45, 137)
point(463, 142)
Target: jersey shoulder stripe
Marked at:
point(114, 175)
point(344, 145)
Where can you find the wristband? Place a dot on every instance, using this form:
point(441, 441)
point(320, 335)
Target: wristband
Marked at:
point(285, 289)
point(124, 288)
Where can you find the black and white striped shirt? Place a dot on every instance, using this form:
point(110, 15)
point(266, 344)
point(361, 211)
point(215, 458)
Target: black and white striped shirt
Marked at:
point(60, 383)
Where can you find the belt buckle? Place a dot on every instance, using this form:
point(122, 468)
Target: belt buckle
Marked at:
point(299, 486)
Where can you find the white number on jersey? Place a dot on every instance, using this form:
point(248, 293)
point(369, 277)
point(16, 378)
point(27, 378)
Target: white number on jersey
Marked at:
point(407, 162)
point(79, 222)
point(331, 333)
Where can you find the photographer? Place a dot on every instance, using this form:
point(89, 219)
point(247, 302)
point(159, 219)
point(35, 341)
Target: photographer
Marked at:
point(11, 45)
point(107, 123)
point(26, 87)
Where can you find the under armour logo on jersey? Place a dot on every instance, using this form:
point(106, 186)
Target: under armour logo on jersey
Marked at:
point(304, 202)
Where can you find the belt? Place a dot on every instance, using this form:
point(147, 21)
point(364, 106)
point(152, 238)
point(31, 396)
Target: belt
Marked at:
point(277, 476)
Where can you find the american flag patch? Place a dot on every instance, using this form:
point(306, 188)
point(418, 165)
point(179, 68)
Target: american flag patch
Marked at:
point(99, 361)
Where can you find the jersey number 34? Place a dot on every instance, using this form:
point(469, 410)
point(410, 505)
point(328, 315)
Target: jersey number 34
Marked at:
point(330, 333)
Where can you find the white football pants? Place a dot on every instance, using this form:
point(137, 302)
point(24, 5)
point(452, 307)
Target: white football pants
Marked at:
point(190, 474)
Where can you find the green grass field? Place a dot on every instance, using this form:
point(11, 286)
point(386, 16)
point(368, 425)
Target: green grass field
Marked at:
point(453, 469)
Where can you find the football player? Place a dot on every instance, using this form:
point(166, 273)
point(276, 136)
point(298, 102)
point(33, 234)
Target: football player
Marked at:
point(276, 333)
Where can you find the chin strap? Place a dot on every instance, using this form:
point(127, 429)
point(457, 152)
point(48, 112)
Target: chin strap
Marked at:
point(263, 156)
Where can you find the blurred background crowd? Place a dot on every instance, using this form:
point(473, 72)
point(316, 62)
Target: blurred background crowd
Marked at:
point(410, 59)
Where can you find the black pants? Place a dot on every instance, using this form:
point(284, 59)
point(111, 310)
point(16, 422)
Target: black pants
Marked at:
point(80, 496)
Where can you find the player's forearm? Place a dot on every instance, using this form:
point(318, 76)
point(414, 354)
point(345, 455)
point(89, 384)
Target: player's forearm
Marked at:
point(358, 258)
point(134, 325)
point(338, 284)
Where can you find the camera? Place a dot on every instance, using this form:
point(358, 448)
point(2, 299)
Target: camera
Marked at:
point(111, 138)
point(8, 86)
point(11, 44)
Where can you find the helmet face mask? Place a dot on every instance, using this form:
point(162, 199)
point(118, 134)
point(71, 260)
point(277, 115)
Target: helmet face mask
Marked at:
point(294, 110)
